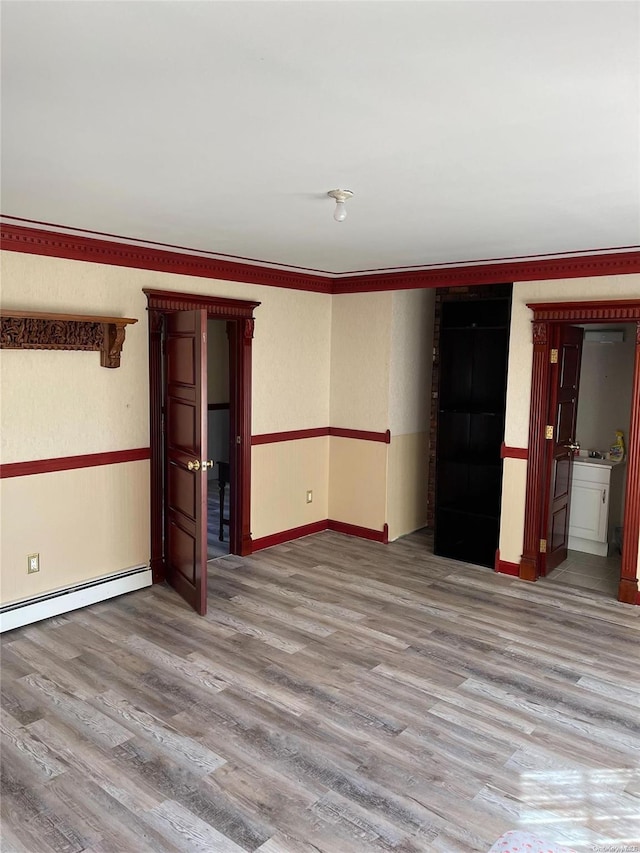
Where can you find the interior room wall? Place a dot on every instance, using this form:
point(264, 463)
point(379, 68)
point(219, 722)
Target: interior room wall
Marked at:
point(410, 367)
point(519, 384)
point(360, 365)
point(59, 404)
point(606, 377)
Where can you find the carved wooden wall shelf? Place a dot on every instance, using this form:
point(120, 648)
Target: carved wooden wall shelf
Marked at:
point(37, 330)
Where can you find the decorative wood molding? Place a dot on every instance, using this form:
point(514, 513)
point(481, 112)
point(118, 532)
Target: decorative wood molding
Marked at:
point(42, 330)
point(318, 527)
point(18, 238)
point(70, 463)
point(39, 241)
point(609, 263)
point(513, 452)
point(167, 301)
point(318, 432)
point(610, 311)
point(540, 333)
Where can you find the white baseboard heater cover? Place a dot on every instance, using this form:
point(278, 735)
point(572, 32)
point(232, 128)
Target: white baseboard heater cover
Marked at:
point(25, 612)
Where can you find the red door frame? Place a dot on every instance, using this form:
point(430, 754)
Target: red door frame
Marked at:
point(545, 316)
point(240, 324)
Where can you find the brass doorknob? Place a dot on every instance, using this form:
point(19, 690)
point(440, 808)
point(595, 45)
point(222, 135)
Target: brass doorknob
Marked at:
point(193, 466)
point(207, 463)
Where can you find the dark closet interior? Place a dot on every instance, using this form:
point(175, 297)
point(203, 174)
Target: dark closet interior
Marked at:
point(474, 339)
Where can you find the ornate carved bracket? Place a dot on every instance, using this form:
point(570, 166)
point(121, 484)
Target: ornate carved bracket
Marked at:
point(37, 330)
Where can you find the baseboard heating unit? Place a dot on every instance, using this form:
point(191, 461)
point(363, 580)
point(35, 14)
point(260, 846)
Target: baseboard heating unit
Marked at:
point(19, 613)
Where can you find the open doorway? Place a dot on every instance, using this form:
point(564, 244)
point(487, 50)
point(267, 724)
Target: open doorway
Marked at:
point(218, 438)
point(596, 508)
point(180, 467)
point(548, 321)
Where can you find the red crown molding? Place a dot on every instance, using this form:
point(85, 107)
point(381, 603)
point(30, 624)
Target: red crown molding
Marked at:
point(21, 238)
point(70, 463)
point(621, 263)
point(513, 452)
point(317, 432)
point(18, 238)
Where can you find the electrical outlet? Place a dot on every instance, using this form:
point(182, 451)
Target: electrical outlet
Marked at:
point(33, 563)
point(309, 496)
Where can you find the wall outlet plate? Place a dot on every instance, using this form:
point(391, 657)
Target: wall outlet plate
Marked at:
point(33, 563)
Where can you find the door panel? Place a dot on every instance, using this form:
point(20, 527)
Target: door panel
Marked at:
point(563, 409)
point(185, 444)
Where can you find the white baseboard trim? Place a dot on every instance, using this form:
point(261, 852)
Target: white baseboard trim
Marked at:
point(72, 598)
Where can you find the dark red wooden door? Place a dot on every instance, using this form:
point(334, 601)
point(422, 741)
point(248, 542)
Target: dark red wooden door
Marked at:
point(186, 450)
point(565, 381)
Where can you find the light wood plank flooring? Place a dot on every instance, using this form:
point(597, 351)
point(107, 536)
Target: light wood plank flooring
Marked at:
point(341, 696)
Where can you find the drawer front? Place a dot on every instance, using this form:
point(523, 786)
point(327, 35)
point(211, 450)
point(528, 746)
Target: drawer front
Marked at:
point(589, 473)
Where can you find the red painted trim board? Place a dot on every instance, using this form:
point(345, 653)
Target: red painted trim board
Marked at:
point(17, 238)
point(290, 435)
point(317, 432)
point(36, 241)
point(70, 463)
point(317, 527)
point(513, 452)
point(503, 567)
point(361, 434)
point(360, 532)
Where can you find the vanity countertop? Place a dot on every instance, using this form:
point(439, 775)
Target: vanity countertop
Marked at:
point(587, 460)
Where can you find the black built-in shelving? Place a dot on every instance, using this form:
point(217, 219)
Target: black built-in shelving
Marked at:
point(474, 338)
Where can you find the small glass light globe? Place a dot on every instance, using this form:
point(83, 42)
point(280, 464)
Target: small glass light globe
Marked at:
point(340, 213)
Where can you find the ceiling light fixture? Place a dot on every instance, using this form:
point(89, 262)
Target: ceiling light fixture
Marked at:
point(340, 213)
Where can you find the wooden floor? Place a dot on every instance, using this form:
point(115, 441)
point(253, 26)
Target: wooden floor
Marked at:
point(340, 696)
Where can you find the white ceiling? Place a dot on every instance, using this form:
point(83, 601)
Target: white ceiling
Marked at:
point(467, 130)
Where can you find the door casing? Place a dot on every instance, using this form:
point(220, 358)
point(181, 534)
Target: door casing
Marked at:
point(240, 325)
point(546, 315)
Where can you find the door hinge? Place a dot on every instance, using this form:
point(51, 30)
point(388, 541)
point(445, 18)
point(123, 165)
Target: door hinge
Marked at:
point(548, 432)
point(543, 546)
point(553, 356)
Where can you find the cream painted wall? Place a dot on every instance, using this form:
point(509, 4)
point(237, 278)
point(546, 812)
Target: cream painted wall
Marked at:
point(57, 404)
point(360, 360)
point(66, 391)
point(519, 383)
point(358, 478)
point(84, 524)
point(407, 483)
point(411, 360)
point(281, 475)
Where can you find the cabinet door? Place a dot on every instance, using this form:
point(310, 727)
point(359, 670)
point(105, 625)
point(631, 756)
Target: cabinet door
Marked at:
point(589, 510)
